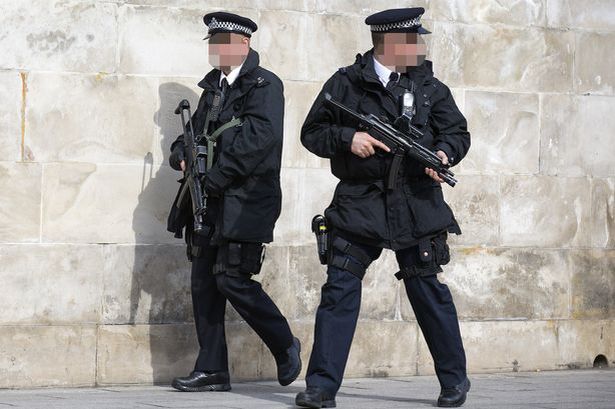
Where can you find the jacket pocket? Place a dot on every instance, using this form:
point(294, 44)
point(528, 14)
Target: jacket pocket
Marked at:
point(430, 212)
point(249, 217)
point(358, 208)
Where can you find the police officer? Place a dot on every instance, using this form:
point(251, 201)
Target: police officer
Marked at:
point(395, 82)
point(244, 104)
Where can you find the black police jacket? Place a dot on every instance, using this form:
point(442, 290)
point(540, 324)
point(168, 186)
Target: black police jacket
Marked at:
point(245, 176)
point(362, 208)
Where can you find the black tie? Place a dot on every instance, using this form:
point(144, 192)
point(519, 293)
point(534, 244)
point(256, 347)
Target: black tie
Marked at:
point(224, 85)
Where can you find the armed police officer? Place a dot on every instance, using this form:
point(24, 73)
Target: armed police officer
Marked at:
point(239, 117)
point(395, 82)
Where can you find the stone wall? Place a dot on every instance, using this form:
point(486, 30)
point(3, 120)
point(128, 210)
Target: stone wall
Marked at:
point(95, 291)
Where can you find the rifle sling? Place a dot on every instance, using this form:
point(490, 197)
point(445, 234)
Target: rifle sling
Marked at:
point(211, 139)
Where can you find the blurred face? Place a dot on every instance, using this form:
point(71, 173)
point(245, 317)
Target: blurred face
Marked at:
point(228, 50)
point(400, 50)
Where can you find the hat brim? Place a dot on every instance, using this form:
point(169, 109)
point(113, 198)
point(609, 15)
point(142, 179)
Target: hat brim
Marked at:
point(208, 36)
point(422, 30)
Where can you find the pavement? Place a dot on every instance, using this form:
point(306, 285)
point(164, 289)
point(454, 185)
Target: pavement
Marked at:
point(586, 389)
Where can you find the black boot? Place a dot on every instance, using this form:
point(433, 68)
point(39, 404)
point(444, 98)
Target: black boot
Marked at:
point(455, 396)
point(315, 397)
point(203, 382)
point(289, 363)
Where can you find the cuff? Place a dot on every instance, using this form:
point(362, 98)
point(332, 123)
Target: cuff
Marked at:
point(446, 148)
point(216, 182)
point(345, 141)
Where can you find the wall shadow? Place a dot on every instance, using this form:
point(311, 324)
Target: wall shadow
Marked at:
point(160, 285)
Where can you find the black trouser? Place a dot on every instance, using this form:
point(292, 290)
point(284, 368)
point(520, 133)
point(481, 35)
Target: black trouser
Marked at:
point(337, 314)
point(209, 294)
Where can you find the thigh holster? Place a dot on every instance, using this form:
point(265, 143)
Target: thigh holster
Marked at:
point(352, 258)
point(243, 258)
point(432, 253)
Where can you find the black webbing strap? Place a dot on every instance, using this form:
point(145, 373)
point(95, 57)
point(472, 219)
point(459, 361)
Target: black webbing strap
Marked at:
point(414, 271)
point(345, 263)
point(211, 139)
point(347, 248)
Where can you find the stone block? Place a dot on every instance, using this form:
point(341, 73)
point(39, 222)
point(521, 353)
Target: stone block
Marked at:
point(524, 13)
point(20, 202)
point(581, 341)
point(98, 118)
point(545, 211)
point(576, 134)
point(10, 115)
point(163, 41)
point(381, 290)
point(592, 284)
point(299, 97)
point(237, 6)
point(487, 56)
point(509, 283)
point(503, 346)
point(59, 36)
point(305, 193)
point(146, 284)
point(88, 203)
point(309, 276)
point(50, 284)
point(133, 354)
point(588, 15)
point(310, 35)
point(382, 349)
point(364, 8)
point(475, 203)
point(603, 213)
point(34, 356)
point(505, 133)
point(246, 352)
point(277, 280)
point(167, 124)
point(593, 62)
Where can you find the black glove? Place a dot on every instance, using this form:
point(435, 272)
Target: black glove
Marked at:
point(177, 156)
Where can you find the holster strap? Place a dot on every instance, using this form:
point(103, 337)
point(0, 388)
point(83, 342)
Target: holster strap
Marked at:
point(345, 263)
point(346, 247)
point(414, 271)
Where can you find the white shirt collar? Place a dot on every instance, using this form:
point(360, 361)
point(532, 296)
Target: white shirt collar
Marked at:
point(232, 76)
point(383, 72)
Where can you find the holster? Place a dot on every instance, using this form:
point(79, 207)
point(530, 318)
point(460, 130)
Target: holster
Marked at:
point(433, 253)
point(239, 258)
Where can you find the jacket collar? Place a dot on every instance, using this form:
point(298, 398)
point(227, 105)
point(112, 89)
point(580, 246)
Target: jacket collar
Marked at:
point(365, 64)
point(250, 63)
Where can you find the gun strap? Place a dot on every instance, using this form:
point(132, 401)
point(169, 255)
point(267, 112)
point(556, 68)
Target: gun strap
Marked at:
point(211, 139)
